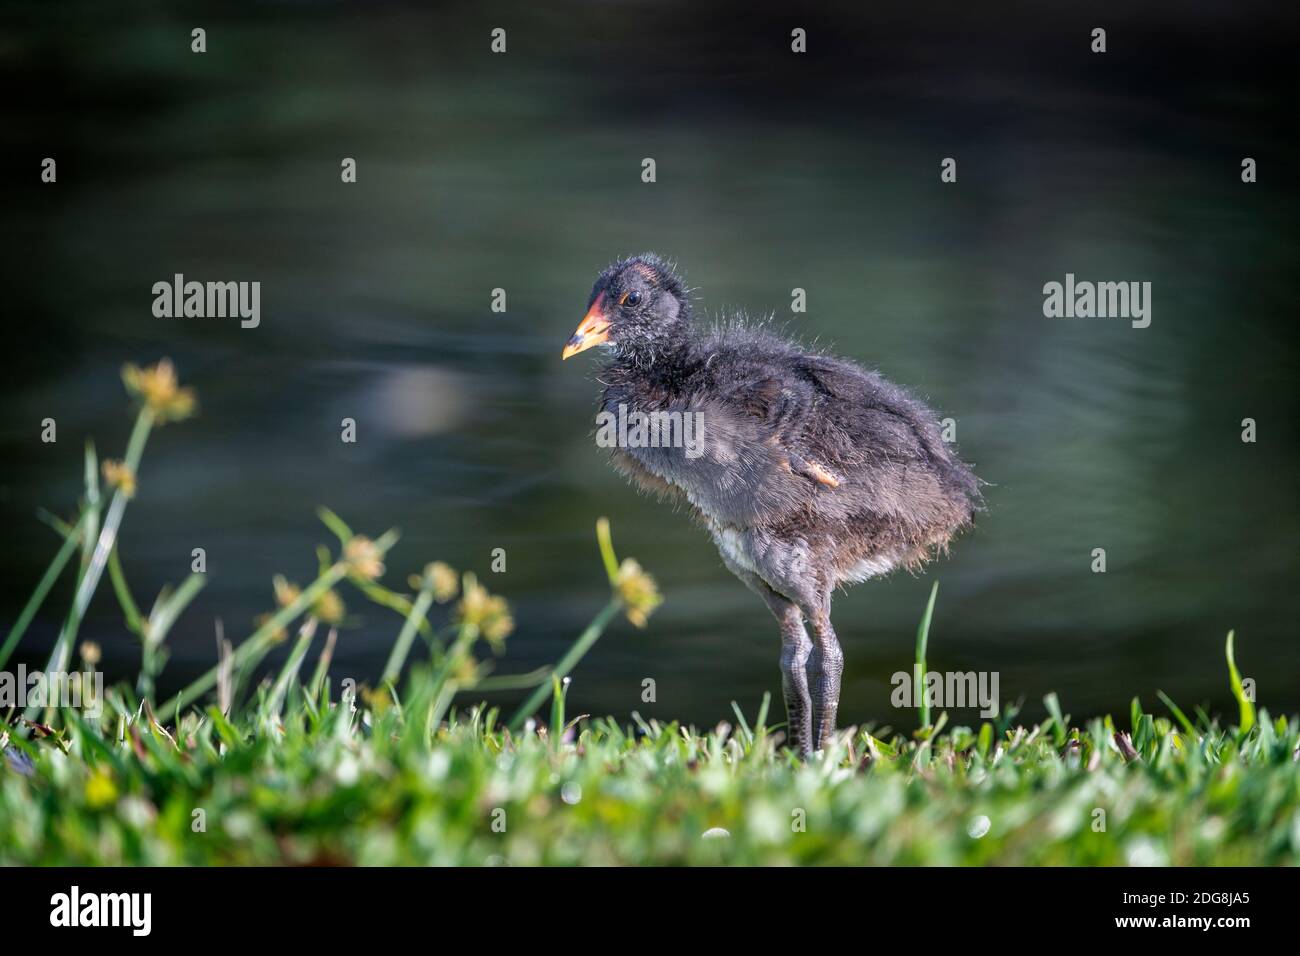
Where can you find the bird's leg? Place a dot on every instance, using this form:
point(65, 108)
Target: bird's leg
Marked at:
point(795, 650)
point(825, 665)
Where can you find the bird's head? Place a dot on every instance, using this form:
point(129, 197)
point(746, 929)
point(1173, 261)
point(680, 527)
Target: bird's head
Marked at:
point(638, 306)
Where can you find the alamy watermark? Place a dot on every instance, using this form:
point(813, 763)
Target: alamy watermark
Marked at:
point(133, 911)
point(80, 690)
point(951, 689)
point(637, 429)
point(209, 300)
point(1099, 300)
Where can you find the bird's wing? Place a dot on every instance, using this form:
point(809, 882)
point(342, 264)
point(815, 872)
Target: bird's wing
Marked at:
point(632, 467)
point(875, 417)
point(784, 406)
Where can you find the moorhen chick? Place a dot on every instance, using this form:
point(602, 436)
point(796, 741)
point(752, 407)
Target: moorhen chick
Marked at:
point(813, 472)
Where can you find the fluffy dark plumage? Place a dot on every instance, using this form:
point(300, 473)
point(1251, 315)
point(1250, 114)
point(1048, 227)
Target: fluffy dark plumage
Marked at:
point(815, 472)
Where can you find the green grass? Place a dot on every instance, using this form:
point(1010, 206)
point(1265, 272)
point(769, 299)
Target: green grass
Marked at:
point(247, 766)
point(385, 785)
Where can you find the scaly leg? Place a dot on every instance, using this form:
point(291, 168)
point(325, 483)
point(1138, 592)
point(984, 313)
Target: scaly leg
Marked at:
point(795, 651)
point(825, 665)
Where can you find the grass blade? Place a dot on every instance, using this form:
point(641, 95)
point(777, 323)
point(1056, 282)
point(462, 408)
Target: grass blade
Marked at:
point(1244, 704)
point(402, 646)
point(919, 696)
point(42, 590)
point(1177, 712)
point(570, 660)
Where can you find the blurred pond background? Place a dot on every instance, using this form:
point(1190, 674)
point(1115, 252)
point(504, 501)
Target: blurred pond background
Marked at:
point(775, 171)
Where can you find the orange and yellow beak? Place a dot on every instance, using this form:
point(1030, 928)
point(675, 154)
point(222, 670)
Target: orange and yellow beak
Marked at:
point(592, 330)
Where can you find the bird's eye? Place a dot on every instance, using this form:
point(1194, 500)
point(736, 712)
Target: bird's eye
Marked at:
point(632, 298)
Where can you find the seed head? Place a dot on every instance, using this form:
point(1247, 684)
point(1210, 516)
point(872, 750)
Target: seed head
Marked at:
point(285, 593)
point(445, 581)
point(489, 613)
point(364, 558)
point(438, 577)
point(638, 592)
point(328, 608)
point(159, 391)
point(119, 476)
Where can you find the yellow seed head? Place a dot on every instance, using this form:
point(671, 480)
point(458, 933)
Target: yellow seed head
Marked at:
point(119, 476)
point(445, 581)
point(159, 390)
point(438, 577)
point(489, 613)
point(638, 592)
point(328, 608)
point(364, 558)
point(285, 593)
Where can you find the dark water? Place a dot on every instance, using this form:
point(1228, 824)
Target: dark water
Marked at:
point(774, 172)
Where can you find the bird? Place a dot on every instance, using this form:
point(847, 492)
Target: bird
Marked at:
point(813, 472)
